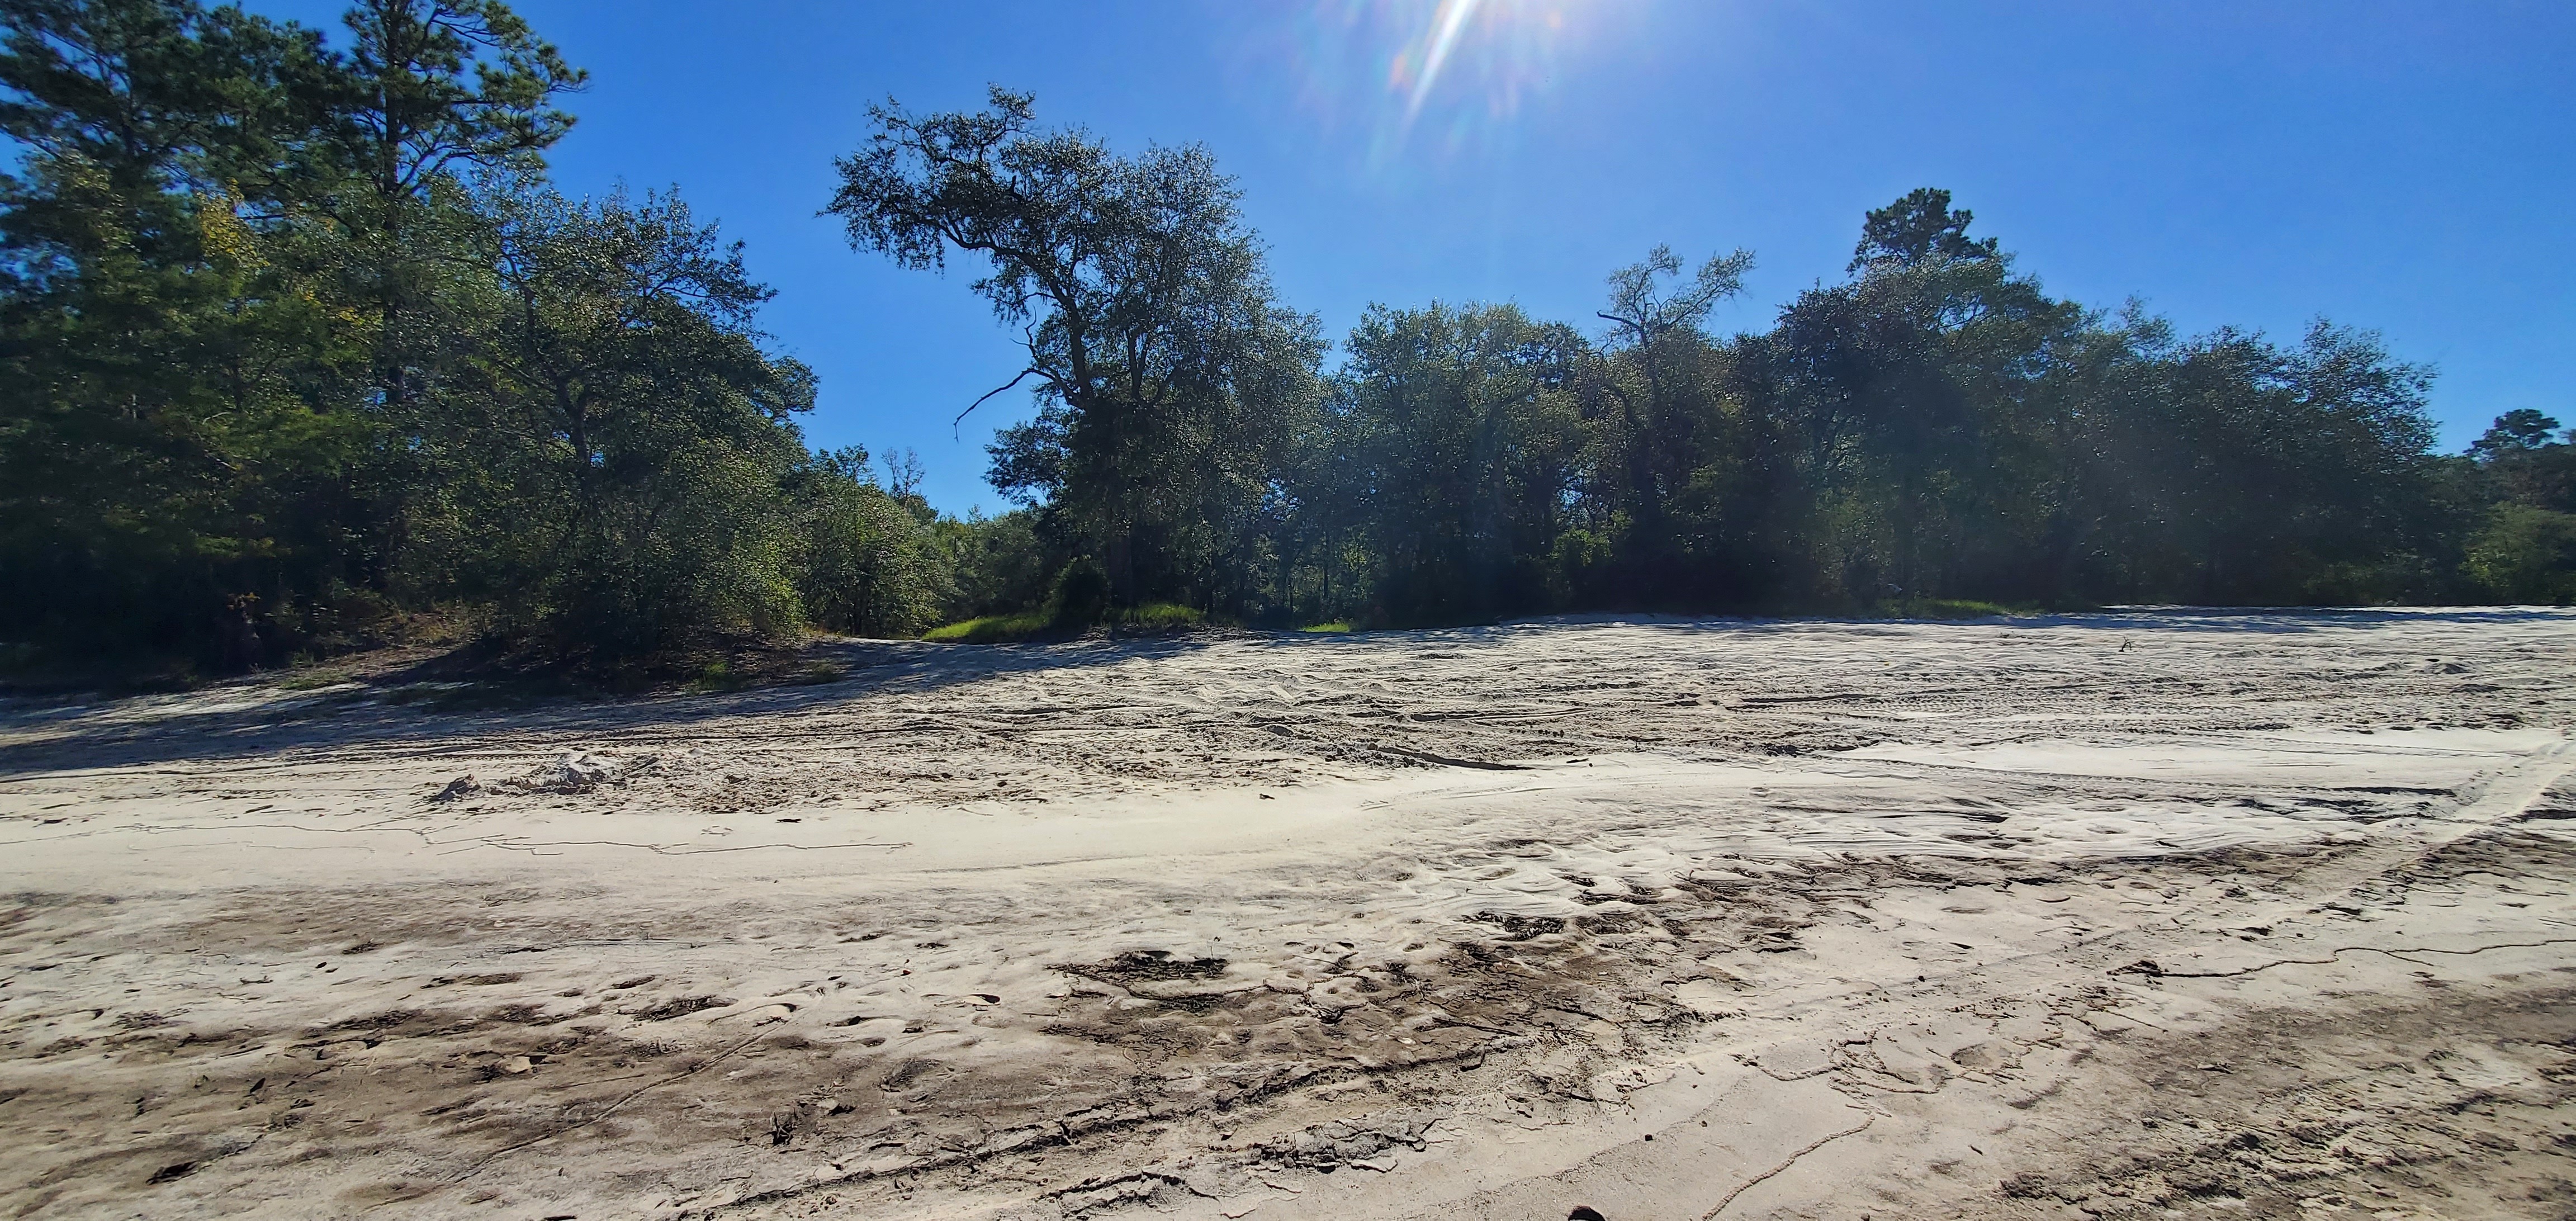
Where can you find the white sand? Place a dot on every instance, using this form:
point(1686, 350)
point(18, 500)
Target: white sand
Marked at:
point(2258, 915)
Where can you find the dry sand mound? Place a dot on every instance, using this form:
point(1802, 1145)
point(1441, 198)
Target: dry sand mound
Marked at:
point(2122, 915)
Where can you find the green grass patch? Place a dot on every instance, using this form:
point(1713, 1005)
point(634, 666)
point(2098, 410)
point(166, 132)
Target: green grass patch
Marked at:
point(816, 673)
point(1336, 627)
point(991, 629)
point(1160, 616)
point(718, 675)
point(1949, 608)
point(1041, 625)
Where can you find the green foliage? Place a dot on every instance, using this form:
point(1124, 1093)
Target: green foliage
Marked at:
point(1919, 228)
point(997, 563)
point(159, 471)
point(1046, 625)
point(2519, 461)
point(608, 448)
point(2520, 431)
point(2526, 554)
point(715, 676)
point(1169, 377)
point(2524, 547)
point(1081, 594)
point(1454, 439)
point(215, 243)
point(1161, 617)
point(315, 345)
point(871, 562)
point(1945, 608)
point(994, 629)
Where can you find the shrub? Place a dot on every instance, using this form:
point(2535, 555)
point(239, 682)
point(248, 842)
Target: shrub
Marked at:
point(2525, 554)
point(1081, 596)
point(872, 566)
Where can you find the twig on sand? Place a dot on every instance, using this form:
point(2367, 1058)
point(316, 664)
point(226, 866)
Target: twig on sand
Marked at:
point(1446, 761)
point(2148, 968)
point(630, 1096)
point(1819, 1143)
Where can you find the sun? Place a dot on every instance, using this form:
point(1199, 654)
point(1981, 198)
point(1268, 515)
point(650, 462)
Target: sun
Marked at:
point(1446, 24)
point(1446, 74)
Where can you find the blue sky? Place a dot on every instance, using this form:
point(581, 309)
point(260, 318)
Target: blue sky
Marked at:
point(2407, 168)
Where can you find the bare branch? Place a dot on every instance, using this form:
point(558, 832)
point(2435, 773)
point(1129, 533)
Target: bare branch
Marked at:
point(970, 407)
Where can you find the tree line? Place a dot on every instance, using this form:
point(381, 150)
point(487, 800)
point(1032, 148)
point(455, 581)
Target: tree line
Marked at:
point(304, 351)
point(1934, 429)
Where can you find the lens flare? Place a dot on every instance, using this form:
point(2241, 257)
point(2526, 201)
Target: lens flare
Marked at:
point(1435, 76)
point(1451, 18)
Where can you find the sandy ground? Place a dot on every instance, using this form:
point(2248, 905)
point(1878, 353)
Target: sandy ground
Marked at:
point(2126, 915)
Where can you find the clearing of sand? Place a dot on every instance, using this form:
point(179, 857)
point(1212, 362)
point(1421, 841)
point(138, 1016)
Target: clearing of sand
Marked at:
point(2143, 914)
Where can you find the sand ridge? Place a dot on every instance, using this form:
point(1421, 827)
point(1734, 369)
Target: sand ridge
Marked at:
point(1846, 917)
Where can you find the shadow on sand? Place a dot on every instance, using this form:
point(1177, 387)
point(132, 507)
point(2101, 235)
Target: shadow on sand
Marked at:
point(255, 718)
